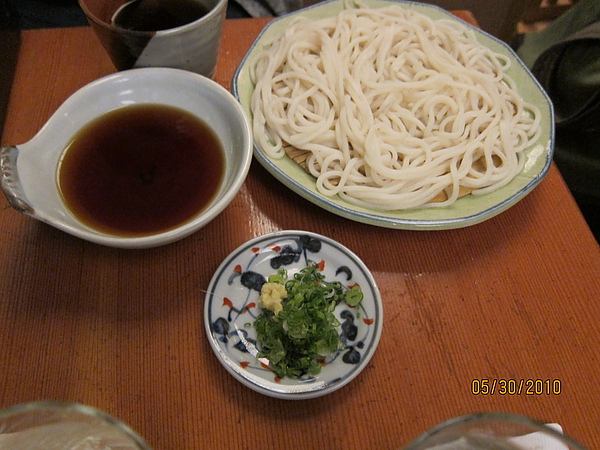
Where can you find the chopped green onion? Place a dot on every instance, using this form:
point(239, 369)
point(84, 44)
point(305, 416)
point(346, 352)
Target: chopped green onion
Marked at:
point(298, 338)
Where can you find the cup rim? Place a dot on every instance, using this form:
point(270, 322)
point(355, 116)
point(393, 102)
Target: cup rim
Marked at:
point(490, 416)
point(215, 10)
point(80, 408)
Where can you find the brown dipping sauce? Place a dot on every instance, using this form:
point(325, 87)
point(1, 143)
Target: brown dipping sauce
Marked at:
point(141, 170)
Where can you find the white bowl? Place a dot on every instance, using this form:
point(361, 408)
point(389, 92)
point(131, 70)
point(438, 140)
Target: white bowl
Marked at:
point(29, 171)
point(231, 305)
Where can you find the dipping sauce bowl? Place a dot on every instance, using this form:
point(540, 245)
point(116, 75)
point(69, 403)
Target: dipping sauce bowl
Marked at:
point(30, 171)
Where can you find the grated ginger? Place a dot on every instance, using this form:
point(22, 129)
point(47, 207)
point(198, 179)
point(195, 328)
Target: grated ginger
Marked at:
point(271, 296)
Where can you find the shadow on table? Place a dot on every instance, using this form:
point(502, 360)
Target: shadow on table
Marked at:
point(463, 244)
point(10, 40)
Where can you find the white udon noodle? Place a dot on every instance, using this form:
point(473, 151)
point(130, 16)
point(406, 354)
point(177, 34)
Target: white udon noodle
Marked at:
point(393, 107)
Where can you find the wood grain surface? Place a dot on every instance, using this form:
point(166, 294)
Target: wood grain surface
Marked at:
point(513, 298)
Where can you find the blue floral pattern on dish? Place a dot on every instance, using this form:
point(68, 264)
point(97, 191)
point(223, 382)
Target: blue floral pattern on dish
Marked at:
point(231, 307)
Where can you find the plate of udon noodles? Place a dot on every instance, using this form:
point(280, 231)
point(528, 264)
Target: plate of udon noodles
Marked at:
point(396, 114)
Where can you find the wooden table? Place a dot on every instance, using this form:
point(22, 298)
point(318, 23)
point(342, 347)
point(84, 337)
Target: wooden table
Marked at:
point(514, 298)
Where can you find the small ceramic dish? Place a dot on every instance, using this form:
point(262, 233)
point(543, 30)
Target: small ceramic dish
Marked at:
point(466, 211)
point(231, 307)
point(30, 170)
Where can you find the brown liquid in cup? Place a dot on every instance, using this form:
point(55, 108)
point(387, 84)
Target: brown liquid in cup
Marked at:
point(143, 18)
point(156, 15)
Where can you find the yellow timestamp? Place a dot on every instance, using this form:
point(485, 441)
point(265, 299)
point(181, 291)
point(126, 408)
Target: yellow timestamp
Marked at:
point(512, 386)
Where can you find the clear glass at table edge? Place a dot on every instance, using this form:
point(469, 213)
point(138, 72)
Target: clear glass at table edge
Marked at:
point(52, 425)
point(494, 431)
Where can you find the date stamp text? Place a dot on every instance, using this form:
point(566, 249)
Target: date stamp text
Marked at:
point(512, 386)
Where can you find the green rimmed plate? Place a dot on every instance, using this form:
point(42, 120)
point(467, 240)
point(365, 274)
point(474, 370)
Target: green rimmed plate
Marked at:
point(466, 211)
